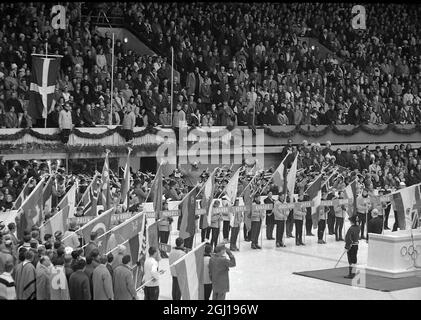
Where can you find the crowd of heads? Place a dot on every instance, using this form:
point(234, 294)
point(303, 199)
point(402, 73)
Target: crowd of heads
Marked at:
point(238, 64)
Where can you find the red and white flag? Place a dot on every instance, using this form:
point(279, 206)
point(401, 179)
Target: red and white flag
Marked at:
point(45, 72)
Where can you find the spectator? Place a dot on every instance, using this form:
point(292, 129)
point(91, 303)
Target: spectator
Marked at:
point(65, 123)
point(152, 274)
point(129, 122)
point(7, 285)
point(43, 275)
point(79, 287)
point(102, 281)
point(218, 271)
point(25, 277)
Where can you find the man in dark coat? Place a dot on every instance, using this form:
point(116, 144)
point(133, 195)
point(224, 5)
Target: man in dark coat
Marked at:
point(25, 278)
point(270, 218)
point(79, 287)
point(91, 245)
point(124, 287)
point(218, 271)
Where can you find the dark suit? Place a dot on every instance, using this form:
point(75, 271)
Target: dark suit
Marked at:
point(79, 287)
point(375, 225)
point(218, 272)
point(270, 220)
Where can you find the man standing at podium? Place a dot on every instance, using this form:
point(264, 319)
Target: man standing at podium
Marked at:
point(375, 225)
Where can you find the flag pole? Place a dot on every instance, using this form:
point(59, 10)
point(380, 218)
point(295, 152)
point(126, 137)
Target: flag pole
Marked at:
point(172, 84)
point(112, 79)
point(46, 107)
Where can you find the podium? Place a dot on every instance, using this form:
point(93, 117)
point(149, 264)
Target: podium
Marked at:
point(395, 254)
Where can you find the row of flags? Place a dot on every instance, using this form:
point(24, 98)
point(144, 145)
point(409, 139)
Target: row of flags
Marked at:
point(135, 233)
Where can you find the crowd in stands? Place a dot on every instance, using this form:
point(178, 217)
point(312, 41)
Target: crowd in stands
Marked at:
point(239, 64)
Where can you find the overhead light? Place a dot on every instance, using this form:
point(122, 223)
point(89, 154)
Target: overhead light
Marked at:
point(125, 40)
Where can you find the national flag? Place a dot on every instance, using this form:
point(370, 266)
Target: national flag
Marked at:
point(125, 187)
point(57, 222)
point(206, 201)
point(69, 199)
point(314, 193)
point(279, 177)
point(328, 183)
point(139, 271)
point(48, 194)
point(187, 208)
point(100, 224)
point(407, 203)
point(190, 269)
point(30, 212)
point(350, 192)
point(45, 71)
point(232, 187)
point(156, 190)
point(23, 195)
point(291, 178)
point(105, 198)
point(248, 201)
point(153, 235)
point(122, 233)
point(89, 199)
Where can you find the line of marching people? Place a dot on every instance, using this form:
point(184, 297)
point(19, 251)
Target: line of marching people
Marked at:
point(328, 220)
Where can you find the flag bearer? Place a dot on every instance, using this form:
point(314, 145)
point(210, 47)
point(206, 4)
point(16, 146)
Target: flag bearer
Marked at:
point(164, 229)
point(299, 214)
point(237, 218)
point(280, 215)
point(340, 214)
point(323, 215)
point(257, 216)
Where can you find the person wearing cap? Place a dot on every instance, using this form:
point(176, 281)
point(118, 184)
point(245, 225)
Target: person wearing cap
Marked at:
point(219, 267)
point(176, 254)
point(351, 244)
point(226, 218)
point(270, 220)
point(280, 215)
point(340, 214)
point(65, 123)
point(237, 218)
point(70, 237)
point(91, 244)
point(164, 229)
point(323, 212)
point(299, 215)
point(216, 218)
point(375, 225)
point(102, 281)
point(257, 216)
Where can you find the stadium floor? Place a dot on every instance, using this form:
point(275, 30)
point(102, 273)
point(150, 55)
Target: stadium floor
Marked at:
point(267, 274)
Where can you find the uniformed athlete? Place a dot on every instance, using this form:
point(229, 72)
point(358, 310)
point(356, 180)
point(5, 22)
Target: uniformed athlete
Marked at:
point(323, 215)
point(351, 244)
point(256, 223)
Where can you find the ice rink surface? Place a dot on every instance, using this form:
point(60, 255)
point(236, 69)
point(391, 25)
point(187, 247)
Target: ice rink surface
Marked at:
point(267, 274)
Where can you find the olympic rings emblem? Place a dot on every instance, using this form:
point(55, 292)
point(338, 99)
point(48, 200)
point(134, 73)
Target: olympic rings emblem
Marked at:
point(410, 251)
